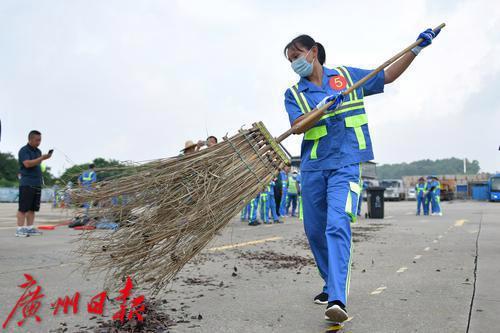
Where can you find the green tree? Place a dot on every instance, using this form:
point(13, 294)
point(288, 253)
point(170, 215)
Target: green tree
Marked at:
point(108, 169)
point(447, 166)
point(9, 169)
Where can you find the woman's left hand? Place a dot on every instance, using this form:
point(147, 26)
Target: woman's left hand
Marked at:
point(337, 101)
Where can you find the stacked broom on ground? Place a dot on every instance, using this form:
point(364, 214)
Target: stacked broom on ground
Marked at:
point(171, 208)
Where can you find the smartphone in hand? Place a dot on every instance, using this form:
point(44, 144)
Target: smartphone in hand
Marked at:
point(51, 151)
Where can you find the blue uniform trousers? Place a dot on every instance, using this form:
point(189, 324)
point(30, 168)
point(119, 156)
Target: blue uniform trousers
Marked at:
point(292, 201)
point(435, 202)
point(330, 199)
point(254, 204)
point(264, 207)
point(427, 202)
point(272, 207)
point(360, 201)
point(421, 203)
point(245, 213)
point(284, 197)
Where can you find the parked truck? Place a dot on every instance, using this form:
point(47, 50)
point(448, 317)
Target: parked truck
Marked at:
point(394, 189)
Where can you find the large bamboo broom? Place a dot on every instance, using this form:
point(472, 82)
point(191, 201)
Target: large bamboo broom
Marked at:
point(171, 208)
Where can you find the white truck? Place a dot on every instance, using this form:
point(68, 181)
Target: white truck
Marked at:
point(394, 189)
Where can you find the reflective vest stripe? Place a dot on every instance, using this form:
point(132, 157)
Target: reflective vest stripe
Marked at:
point(301, 99)
point(345, 73)
point(87, 177)
point(346, 107)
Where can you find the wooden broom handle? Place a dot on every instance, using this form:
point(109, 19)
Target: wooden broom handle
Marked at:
point(315, 115)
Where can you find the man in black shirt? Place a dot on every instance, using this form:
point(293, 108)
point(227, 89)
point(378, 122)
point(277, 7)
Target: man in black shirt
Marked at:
point(30, 184)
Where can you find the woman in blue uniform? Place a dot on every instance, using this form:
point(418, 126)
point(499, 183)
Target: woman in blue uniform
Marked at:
point(331, 154)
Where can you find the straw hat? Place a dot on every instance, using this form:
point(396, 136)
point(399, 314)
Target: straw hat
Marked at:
point(189, 144)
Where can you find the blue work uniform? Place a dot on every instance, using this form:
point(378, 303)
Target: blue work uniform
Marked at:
point(364, 186)
point(284, 194)
point(331, 154)
point(272, 201)
point(427, 196)
point(254, 205)
point(292, 194)
point(87, 178)
point(420, 190)
point(299, 199)
point(264, 207)
point(436, 197)
point(245, 213)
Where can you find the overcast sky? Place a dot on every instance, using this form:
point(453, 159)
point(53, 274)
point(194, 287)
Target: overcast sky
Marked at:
point(132, 80)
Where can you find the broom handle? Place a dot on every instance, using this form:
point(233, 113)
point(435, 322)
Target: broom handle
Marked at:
point(315, 115)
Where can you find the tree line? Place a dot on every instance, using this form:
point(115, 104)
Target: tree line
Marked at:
point(447, 166)
point(9, 170)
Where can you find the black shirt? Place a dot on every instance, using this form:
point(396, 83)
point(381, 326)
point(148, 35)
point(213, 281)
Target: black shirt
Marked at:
point(29, 176)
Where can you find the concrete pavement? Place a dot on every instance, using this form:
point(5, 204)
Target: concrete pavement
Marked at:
point(410, 274)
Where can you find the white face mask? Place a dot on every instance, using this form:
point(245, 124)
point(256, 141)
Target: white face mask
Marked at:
point(302, 67)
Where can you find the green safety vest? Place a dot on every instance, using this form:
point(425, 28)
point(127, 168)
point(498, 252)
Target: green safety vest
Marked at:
point(86, 177)
point(292, 185)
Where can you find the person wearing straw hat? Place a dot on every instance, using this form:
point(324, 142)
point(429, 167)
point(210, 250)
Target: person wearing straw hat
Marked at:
point(331, 156)
point(189, 147)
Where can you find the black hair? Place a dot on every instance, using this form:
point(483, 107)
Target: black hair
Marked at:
point(33, 133)
point(306, 41)
point(213, 137)
point(91, 165)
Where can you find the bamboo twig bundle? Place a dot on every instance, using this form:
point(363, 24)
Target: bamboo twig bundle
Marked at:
point(173, 207)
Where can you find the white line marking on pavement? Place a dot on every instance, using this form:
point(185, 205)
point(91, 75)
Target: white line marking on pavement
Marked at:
point(378, 290)
point(233, 246)
point(427, 248)
point(418, 256)
point(409, 213)
point(402, 270)
point(459, 223)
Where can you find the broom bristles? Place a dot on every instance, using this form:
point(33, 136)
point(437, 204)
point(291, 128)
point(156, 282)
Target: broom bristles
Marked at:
point(171, 209)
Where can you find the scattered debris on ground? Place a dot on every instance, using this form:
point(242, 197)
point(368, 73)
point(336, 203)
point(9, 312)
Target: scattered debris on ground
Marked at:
point(274, 260)
point(361, 233)
point(155, 320)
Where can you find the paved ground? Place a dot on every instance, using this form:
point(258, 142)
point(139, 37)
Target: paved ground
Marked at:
point(410, 274)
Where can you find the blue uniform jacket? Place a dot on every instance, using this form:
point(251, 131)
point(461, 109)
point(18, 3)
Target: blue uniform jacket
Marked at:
point(340, 138)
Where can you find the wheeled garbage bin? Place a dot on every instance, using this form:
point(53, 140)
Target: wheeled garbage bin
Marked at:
point(375, 202)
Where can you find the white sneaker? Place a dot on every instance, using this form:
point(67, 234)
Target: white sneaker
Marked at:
point(22, 232)
point(34, 232)
point(439, 214)
point(336, 314)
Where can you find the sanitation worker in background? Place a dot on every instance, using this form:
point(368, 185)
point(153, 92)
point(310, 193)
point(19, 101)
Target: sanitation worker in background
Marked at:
point(331, 156)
